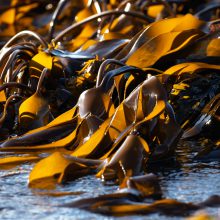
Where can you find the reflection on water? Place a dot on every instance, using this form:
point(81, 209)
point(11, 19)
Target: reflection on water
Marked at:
point(184, 179)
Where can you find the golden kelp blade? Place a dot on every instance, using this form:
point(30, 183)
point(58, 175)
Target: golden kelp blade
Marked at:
point(48, 171)
point(2, 95)
point(40, 61)
point(158, 109)
point(34, 112)
point(53, 146)
point(119, 204)
point(165, 206)
point(59, 168)
point(158, 28)
point(9, 162)
point(165, 44)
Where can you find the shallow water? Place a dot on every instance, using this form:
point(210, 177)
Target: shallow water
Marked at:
point(184, 179)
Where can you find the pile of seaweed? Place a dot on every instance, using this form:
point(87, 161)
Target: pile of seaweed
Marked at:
point(109, 88)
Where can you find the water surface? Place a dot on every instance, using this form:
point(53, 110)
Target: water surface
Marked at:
point(184, 179)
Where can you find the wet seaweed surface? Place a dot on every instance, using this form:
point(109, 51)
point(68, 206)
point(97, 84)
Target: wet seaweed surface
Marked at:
point(109, 109)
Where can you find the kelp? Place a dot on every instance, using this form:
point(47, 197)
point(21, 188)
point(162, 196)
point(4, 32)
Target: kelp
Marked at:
point(108, 88)
point(124, 203)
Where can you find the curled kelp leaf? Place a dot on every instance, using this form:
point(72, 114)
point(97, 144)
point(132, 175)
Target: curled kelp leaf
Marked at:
point(127, 160)
point(147, 185)
point(48, 171)
point(58, 168)
point(34, 112)
point(168, 133)
point(126, 114)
